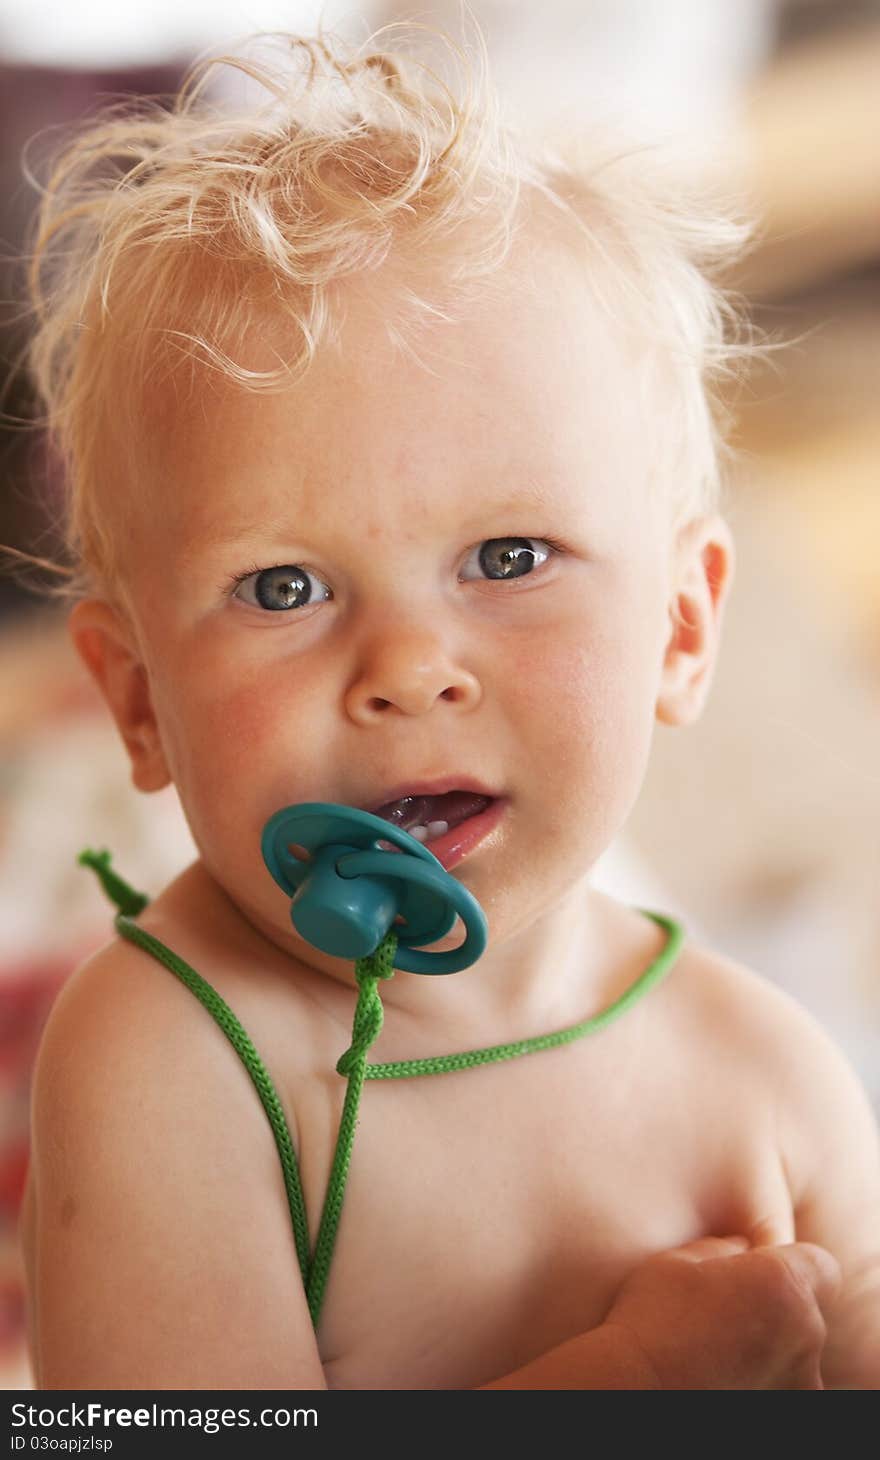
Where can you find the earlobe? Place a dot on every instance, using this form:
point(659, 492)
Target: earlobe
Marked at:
point(702, 578)
point(106, 645)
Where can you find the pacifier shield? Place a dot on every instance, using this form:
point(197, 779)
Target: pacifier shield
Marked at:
point(348, 892)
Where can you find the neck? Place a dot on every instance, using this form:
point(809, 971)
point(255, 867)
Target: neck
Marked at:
point(567, 963)
point(535, 976)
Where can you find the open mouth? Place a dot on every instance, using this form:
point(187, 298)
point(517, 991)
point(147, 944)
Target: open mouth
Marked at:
point(427, 818)
point(452, 825)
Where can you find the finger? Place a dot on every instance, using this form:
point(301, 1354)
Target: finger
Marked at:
point(705, 1248)
point(811, 1264)
point(775, 1231)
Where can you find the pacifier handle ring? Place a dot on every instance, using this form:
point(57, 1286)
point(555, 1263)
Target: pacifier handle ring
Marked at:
point(409, 869)
point(346, 891)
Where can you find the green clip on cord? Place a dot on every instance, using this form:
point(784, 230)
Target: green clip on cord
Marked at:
point(346, 897)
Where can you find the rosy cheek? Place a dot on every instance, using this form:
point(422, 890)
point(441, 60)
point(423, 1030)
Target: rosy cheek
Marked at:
point(216, 725)
point(565, 676)
point(585, 704)
point(245, 721)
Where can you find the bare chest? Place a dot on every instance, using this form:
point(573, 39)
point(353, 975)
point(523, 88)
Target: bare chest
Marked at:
point(492, 1213)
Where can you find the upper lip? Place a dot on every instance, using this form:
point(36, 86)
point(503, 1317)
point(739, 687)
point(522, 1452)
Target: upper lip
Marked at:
point(432, 788)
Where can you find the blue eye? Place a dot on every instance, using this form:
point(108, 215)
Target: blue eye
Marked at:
point(276, 589)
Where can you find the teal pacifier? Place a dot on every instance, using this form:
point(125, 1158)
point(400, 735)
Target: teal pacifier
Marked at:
point(347, 893)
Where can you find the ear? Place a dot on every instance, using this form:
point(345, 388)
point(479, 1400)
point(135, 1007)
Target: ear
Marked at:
point(702, 575)
point(106, 644)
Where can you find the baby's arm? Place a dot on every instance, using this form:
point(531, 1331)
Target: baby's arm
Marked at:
point(161, 1254)
point(832, 1156)
point(710, 1315)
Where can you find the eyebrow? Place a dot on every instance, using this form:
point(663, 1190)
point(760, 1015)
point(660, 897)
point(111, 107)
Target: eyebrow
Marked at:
point(530, 494)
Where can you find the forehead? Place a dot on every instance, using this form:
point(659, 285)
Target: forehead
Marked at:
point(526, 389)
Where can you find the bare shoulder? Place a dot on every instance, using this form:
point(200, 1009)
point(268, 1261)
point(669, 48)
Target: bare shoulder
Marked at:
point(125, 1034)
point(823, 1114)
point(157, 1222)
point(710, 998)
point(737, 1005)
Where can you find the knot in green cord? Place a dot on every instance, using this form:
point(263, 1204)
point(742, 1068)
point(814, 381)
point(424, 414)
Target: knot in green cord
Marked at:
point(368, 1014)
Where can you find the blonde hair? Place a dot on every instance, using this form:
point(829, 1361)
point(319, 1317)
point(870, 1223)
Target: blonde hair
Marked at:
point(166, 230)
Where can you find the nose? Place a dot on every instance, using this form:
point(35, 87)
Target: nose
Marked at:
point(408, 672)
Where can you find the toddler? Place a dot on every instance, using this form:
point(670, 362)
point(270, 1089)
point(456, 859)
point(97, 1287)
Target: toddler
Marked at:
point(393, 483)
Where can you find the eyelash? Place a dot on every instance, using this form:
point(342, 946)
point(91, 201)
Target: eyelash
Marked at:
point(235, 580)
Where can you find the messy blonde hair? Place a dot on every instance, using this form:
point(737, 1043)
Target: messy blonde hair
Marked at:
point(168, 229)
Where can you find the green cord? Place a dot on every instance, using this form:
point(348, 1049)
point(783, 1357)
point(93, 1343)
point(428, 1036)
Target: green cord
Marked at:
point(262, 1082)
point(368, 1017)
point(442, 1064)
point(127, 900)
point(367, 1024)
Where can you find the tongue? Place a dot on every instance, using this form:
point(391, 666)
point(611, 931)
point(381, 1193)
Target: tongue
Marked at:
point(453, 807)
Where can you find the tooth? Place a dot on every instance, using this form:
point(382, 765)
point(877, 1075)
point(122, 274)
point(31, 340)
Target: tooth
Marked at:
point(429, 832)
point(421, 834)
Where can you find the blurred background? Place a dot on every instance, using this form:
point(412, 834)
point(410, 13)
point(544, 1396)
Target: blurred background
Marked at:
point(760, 826)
